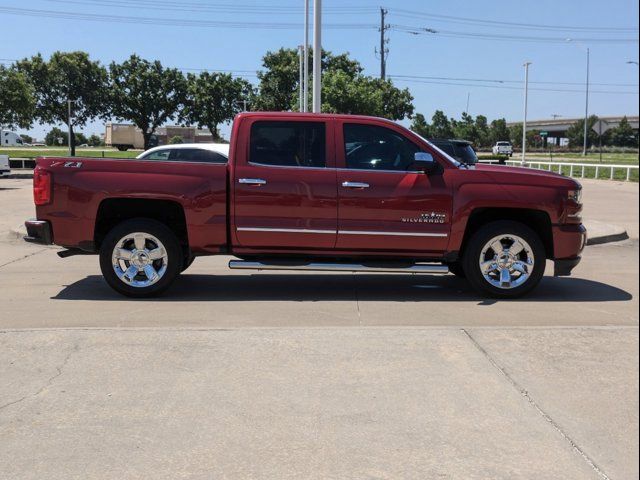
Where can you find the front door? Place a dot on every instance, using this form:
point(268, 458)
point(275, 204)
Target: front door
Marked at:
point(384, 206)
point(285, 186)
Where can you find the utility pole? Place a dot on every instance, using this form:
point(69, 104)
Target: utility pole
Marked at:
point(468, 98)
point(586, 110)
point(317, 56)
point(383, 42)
point(524, 123)
point(72, 149)
point(305, 78)
point(301, 80)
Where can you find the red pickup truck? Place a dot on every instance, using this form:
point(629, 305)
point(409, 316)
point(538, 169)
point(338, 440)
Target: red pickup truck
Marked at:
point(311, 192)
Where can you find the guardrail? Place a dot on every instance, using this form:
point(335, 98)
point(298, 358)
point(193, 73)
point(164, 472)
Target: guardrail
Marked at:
point(579, 170)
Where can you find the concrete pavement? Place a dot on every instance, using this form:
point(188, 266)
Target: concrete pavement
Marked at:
point(298, 375)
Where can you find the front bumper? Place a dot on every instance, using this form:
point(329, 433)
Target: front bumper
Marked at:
point(562, 267)
point(568, 243)
point(38, 231)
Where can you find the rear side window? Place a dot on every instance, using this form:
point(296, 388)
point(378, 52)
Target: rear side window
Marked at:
point(162, 155)
point(288, 144)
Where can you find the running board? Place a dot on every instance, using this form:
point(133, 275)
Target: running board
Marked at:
point(430, 268)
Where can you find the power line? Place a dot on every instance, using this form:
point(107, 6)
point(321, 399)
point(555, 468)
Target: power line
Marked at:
point(213, 7)
point(493, 80)
point(504, 24)
point(488, 36)
point(506, 87)
point(173, 22)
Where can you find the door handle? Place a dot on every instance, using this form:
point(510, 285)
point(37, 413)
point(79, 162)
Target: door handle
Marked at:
point(252, 181)
point(355, 185)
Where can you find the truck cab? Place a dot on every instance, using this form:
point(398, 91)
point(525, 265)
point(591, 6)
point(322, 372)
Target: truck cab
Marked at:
point(312, 192)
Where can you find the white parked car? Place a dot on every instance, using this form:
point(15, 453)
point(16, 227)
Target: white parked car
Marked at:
point(188, 152)
point(502, 148)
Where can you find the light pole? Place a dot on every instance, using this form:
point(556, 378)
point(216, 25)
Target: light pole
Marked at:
point(586, 102)
point(526, 101)
point(301, 80)
point(305, 78)
point(632, 62)
point(317, 56)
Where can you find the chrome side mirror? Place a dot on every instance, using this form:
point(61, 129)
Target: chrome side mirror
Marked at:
point(424, 162)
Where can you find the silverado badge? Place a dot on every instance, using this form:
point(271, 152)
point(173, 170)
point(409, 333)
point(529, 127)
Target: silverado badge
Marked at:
point(432, 217)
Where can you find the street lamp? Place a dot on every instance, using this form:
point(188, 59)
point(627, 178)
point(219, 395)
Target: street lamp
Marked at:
point(586, 102)
point(526, 100)
point(317, 56)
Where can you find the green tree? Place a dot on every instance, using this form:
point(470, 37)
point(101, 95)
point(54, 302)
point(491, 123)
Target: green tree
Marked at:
point(95, 141)
point(441, 126)
point(67, 76)
point(420, 126)
point(482, 130)
point(498, 131)
point(146, 94)
point(214, 98)
point(81, 139)
point(16, 99)
point(364, 96)
point(26, 138)
point(466, 128)
point(56, 137)
point(575, 133)
point(623, 135)
point(515, 135)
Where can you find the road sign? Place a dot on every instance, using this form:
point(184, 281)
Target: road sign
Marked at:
point(601, 126)
point(544, 134)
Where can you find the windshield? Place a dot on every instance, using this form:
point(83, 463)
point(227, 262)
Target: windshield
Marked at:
point(503, 144)
point(440, 151)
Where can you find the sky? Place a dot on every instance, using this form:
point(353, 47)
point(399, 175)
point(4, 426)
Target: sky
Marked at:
point(476, 53)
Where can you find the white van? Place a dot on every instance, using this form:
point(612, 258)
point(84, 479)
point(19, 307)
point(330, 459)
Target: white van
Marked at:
point(10, 139)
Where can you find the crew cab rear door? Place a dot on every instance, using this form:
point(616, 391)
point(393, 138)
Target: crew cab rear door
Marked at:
point(383, 206)
point(284, 184)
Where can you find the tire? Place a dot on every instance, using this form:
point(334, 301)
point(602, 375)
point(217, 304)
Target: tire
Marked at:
point(522, 255)
point(457, 270)
point(187, 261)
point(144, 264)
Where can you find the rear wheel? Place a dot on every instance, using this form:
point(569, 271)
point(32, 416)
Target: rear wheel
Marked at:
point(140, 258)
point(504, 259)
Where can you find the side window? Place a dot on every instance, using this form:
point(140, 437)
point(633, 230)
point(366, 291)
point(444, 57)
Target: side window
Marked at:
point(162, 155)
point(370, 147)
point(196, 155)
point(290, 144)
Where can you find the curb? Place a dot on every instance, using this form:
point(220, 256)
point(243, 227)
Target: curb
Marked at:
point(613, 237)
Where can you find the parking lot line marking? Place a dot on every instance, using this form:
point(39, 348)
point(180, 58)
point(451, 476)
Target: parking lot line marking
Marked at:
point(533, 403)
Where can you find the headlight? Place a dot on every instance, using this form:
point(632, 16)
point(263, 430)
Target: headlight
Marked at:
point(576, 195)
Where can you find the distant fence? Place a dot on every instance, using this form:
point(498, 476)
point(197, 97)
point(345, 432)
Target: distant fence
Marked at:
point(601, 171)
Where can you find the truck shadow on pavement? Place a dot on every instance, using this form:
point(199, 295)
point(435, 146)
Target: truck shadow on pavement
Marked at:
point(336, 287)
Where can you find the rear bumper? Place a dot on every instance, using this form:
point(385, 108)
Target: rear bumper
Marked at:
point(38, 231)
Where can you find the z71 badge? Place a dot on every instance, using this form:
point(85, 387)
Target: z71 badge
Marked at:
point(432, 217)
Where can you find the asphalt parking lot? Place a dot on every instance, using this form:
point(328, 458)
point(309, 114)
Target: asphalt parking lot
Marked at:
point(255, 375)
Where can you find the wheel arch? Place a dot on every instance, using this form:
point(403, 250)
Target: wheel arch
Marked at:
point(537, 220)
point(113, 211)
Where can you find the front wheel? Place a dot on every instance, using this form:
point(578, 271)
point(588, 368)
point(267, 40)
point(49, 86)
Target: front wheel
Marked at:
point(504, 259)
point(140, 258)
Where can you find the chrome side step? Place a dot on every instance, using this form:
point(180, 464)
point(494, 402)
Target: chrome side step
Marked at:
point(430, 268)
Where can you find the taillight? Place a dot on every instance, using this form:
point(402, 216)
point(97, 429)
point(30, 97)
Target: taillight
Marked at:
point(41, 186)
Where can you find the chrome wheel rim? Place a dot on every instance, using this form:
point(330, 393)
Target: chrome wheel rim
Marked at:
point(506, 261)
point(139, 259)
